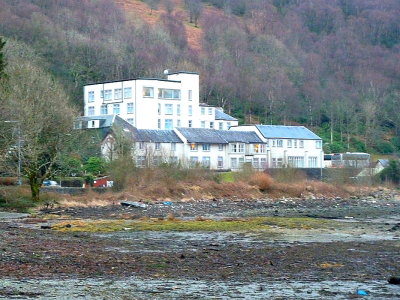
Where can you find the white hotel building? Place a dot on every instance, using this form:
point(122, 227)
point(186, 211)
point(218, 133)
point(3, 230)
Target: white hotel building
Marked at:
point(167, 122)
point(151, 103)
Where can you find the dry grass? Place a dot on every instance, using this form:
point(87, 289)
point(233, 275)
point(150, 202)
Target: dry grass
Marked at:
point(262, 180)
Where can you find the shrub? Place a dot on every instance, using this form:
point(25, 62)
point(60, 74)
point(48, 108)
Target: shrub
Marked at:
point(262, 180)
point(20, 199)
point(8, 180)
point(385, 148)
point(391, 173)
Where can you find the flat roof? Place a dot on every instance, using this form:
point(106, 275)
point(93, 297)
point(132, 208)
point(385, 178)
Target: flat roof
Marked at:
point(131, 79)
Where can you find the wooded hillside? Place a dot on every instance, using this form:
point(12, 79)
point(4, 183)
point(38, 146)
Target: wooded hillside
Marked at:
point(333, 65)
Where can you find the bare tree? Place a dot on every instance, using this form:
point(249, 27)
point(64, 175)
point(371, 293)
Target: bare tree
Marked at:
point(40, 110)
point(195, 8)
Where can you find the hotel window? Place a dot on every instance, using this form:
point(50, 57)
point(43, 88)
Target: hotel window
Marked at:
point(241, 162)
point(211, 125)
point(91, 110)
point(130, 120)
point(241, 147)
point(169, 94)
point(178, 109)
point(104, 109)
point(91, 96)
point(203, 124)
point(256, 163)
point(141, 145)
point(237, 148)
point(233, 148)
point(256, 148)
point(107, 95)
point(159, 108)
point(296, 161)
point(159, 123)
point(148, 92)
point(220, 147)
point(116, 109)
point(141, 161)
point(102, 94)
point(301, 144)
point(289, 143)
point(221, 125)
point(279, 143)
point(190, 123)
point(206, 147)
point(190, 110)
point(127, 93)
point(312, 161)
point(234, 163)
point(168, 124)
point(129, 108)
point(117, 94)
point(178, 123)
point(277, 162)
point(190, 95)
point(273, 143)
point(158, 146)
point(193, 147)
point(262, 148)
point(295, 143)
point(220, 162)
point(318, 144)
point(169, 109)
point(228, 125)
point(173, 146)
point(263, 163)
point(206, 161)
point(203, 110)
point(194, 160)
point(210, 110)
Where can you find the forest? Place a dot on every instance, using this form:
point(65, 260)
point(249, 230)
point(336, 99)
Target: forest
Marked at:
point(331, 65)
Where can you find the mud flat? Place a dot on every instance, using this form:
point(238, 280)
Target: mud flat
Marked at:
point(287, 249)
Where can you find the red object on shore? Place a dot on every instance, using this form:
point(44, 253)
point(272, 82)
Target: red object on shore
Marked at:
point(100, 182)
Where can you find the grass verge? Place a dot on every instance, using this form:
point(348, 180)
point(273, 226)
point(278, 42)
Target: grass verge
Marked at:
point(233, 225)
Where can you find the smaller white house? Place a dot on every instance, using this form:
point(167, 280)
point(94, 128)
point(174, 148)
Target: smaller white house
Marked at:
point(288, 146)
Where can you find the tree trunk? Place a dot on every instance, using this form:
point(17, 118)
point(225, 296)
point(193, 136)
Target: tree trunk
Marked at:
point(35, 187)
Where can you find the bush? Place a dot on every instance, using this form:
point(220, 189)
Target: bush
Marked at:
point(385, 148)
point(262, 180)
point(391, 173)
point(95, 165)
point(20, 199)
point(8, 180)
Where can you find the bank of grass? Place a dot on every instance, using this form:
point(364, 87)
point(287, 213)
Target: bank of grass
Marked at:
point(172, 183)
point(199, 224)
point(19, 199)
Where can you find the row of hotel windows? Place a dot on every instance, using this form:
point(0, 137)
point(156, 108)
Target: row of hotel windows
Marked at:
point(169, 124)
point(203, 110)
point(116, 109)
point(293, 144)
point(296, 162)
point(148, 92)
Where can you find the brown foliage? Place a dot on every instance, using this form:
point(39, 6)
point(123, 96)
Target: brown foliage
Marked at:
point(262, 180)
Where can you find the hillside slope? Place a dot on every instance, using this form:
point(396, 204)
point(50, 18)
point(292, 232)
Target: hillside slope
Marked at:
point(331, 65)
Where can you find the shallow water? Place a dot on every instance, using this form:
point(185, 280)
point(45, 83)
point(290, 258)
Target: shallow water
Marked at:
point(138, 288)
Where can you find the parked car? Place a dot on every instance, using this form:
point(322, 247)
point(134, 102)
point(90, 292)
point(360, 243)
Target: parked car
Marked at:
point(50, 183)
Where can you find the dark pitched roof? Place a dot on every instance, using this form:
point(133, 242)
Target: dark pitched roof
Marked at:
point(220, 115)
point(213, 136)
point(248, 137)
point(287, 132)
point(202, 135)
point(157, 136)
